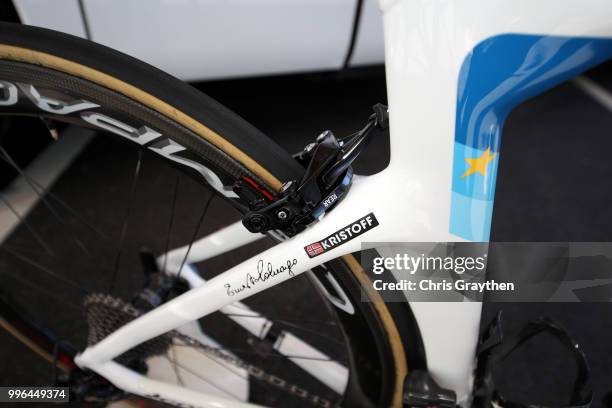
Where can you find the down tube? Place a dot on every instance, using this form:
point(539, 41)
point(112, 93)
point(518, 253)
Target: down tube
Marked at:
point(453, 74)
point(500, 73)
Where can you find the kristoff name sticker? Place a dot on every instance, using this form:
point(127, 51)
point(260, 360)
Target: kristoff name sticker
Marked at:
point(354, 229)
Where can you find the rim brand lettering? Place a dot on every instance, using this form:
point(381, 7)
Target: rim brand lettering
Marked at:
point(9, 94)
point(141, 136)
point(53, 105)
point(158, 143)
point(342, 236)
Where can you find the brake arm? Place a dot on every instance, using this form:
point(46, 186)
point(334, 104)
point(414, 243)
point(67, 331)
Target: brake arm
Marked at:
point(325, 182)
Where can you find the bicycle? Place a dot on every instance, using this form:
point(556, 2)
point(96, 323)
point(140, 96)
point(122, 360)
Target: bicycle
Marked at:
point(317, 212)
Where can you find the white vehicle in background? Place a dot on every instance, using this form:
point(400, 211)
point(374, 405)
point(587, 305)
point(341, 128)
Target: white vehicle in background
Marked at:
point(223, 38)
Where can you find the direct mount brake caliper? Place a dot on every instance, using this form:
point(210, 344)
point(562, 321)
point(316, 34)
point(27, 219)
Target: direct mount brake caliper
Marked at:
point(325, 183)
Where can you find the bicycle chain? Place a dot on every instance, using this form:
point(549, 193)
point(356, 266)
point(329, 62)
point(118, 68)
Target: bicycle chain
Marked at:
point(105, 314)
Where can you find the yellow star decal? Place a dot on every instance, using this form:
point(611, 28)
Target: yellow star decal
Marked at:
point(479, 164)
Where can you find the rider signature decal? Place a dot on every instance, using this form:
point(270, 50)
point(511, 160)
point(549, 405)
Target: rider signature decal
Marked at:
point(264, 272)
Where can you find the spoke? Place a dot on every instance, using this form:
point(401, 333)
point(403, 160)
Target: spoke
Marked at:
point(239, 363)
point(23, 221)
point(311, 331)
point(175, 366)
point(31, 252)
point(200, 377)
point(276, 319)
point(219, 361)
point(61, 202)
point(172, 208)
point(260, 354)
point(47, 292)
point(293, 325)
point(42, 198)
point(124, 226)
point(45, 270)
point(195, 232)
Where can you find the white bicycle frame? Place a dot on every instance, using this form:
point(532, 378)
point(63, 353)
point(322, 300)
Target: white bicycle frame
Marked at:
point(427, 43)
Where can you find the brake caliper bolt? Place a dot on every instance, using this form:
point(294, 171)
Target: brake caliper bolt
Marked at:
point(257, 223)
point(286, 186)
point(310, 147)
point(323, 136)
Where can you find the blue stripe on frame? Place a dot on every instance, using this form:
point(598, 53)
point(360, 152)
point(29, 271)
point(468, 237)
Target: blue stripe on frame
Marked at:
point(471, 218)
point(497, 75)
